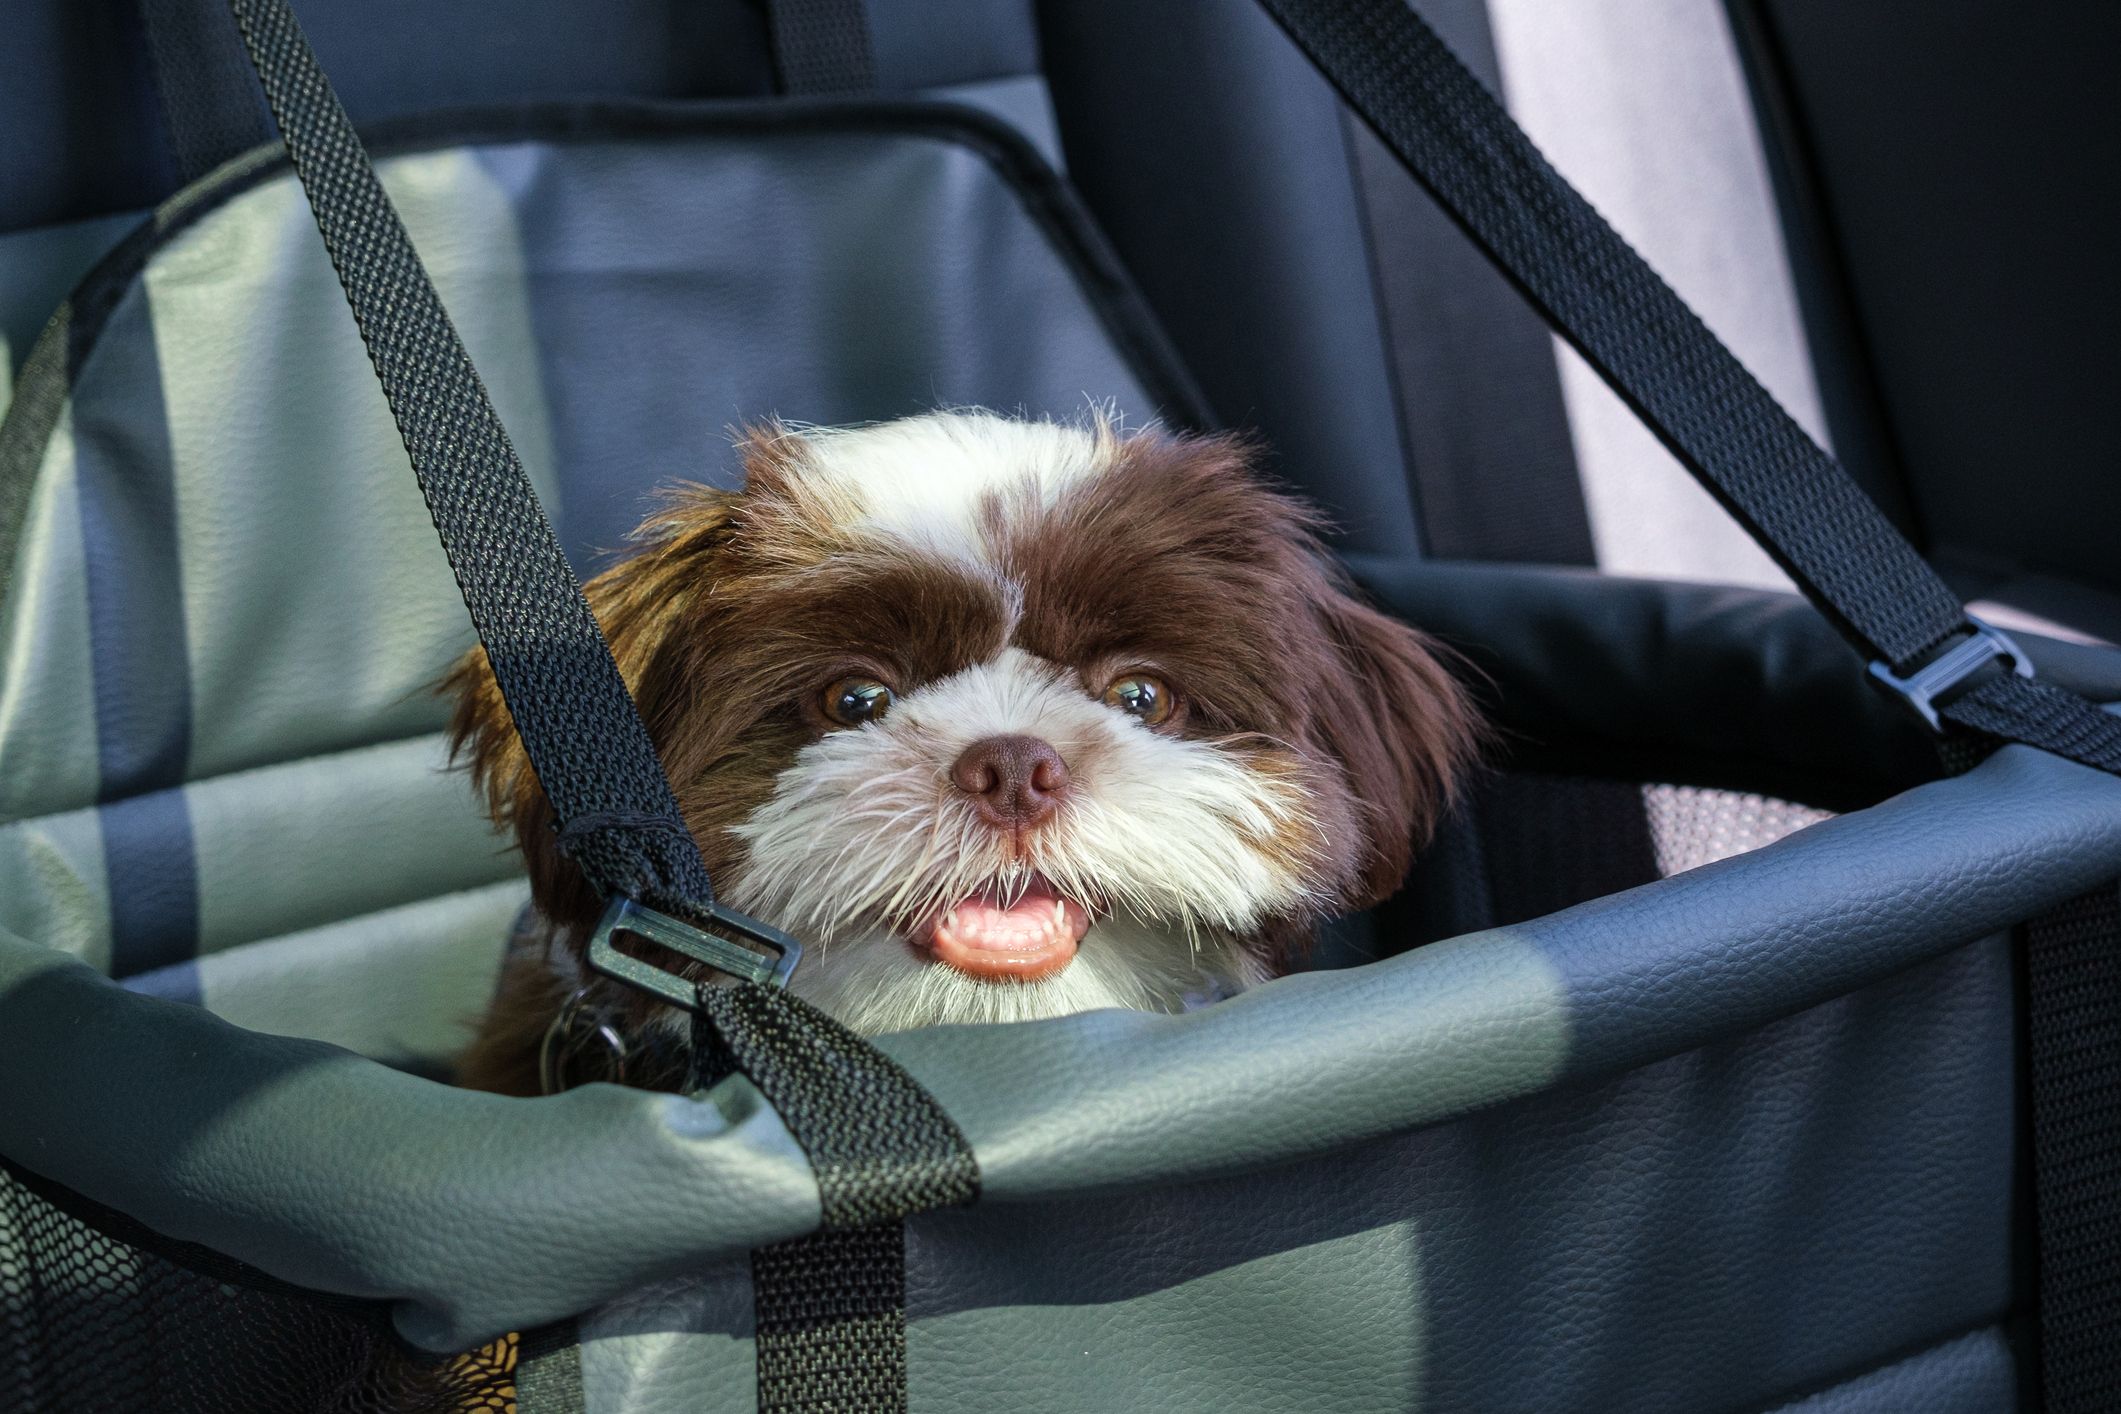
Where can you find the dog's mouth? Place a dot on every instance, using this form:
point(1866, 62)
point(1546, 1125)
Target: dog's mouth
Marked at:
point(1014, 933)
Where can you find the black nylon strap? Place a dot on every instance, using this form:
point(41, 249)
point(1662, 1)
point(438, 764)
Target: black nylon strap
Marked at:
point(821, 46)
point(832, 1322)
point(881, 1146)
point(1640, 336)
point(2028, 710)
point(1818, 524)
point(831, 1308)
point(1688, 389)
point(579, 727)
point(2073, 977)
point(2073, 1030)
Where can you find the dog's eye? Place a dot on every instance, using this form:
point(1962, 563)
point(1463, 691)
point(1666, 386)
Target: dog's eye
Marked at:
point(1141, 695)
point(853, 701)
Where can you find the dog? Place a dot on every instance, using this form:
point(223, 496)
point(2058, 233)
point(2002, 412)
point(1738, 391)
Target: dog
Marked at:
point(1004, 719)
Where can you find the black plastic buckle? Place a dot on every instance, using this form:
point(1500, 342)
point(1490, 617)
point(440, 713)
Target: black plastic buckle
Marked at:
point(626, 916)
point(1938, 678)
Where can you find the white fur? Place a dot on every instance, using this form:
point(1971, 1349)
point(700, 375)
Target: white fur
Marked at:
point(865, 835)
point(922, 481)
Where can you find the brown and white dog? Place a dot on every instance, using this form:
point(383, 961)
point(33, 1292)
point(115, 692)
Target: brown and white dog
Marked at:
point(1003, 719)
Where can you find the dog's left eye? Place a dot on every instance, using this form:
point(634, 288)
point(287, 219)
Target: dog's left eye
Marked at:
point(1142, 695)
point(853, 701)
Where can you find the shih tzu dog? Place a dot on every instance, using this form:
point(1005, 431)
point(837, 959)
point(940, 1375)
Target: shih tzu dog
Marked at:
point(1003, 719)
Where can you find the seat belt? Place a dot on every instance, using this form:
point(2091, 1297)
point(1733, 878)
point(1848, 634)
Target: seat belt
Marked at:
point(1688, 389)
point(594, 758)
point(1967, 681)
point(880, 1145)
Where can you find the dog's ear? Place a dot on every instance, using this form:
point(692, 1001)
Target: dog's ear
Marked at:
point(1359, 687)
point(640, 603)
point(1402, 726)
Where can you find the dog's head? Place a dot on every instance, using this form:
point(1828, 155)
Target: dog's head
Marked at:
point(1007, 719)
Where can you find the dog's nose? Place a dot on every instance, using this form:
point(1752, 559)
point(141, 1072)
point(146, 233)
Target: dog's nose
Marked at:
point(1014, 781)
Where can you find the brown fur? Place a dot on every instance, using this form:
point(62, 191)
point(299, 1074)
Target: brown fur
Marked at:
point(735, 609)
point(1229, 589)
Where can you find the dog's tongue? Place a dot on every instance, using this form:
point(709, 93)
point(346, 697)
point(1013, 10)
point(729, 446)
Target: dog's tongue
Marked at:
point(1033, 936)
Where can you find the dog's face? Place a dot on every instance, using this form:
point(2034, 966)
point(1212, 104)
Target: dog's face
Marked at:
point(1009, 719)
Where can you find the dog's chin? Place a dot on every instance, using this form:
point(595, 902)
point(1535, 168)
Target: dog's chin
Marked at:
point(879, 982)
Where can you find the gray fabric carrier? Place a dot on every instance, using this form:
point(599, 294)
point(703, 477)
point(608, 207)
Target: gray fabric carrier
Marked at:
point(226, 609)
point(1683, 1076)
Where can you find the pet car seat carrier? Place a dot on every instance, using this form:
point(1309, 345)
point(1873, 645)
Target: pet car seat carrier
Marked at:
point(1741, 1135)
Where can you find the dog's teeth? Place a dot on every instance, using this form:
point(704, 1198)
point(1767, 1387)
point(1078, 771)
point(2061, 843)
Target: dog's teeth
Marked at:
point(1060, 914)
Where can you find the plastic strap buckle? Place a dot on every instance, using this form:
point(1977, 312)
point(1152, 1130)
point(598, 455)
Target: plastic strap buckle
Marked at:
point(1938, 679)
point(723, 955)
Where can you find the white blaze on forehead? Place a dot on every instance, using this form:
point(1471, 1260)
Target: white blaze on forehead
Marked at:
point(922, 481)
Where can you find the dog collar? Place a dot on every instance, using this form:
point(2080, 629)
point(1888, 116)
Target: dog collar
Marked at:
point(585, 1044)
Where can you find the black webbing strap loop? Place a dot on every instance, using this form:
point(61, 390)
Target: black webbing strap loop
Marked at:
point(821, 46)
point(831, 1308)
point(578, 725)
point(2073, 976)
point(882, 1148)
point(1687, 388)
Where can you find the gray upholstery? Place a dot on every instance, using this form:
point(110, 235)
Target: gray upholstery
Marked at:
point(1706, 1233)
point(1691, 826)
point(223, 607)
point(1214, 155)
point(267, 1148)
point(1642, 105)
point(1618, 982)
point(1958, 164)
point(1739, 1137)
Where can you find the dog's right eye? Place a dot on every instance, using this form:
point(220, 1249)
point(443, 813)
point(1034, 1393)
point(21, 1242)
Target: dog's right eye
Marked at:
point(1143, 696)
point(853, 701)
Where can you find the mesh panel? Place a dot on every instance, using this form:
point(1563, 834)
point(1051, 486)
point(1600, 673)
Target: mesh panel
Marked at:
point(1692, 826)
point(99, 1315)
point(1523, 844)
